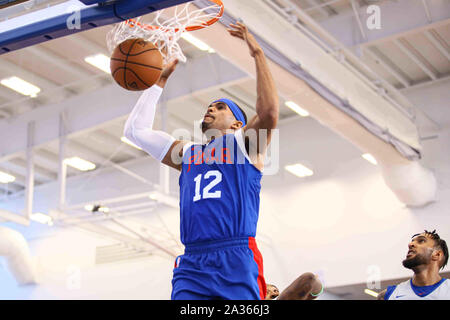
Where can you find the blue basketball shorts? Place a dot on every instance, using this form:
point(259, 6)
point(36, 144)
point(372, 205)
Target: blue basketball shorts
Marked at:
point(220, 270)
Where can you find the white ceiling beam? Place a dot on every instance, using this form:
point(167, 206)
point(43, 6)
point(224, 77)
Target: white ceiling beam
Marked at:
point(76, 149)
point(50, 161)
point(54, 60)
point(436, 40)
point(38, 170)
point(139, 205)
point(355, 8)
point(407, 49)
point(427, 10)
point(316, 6)
point(46, 159)
point(133, 242)
point(16, 101)
point(88, 45)
point(14, 217)
point(79, 150)
point(12, 69)
point(103, 137)
point(387, 65)
point(394, 22)
point(321, 5)
point(424, 84)
point(20, 179)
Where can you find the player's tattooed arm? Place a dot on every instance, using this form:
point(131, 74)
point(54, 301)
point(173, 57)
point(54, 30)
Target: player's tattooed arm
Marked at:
point(305, 287)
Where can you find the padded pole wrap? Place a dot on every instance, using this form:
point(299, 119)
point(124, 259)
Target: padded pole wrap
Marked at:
point(14, 248)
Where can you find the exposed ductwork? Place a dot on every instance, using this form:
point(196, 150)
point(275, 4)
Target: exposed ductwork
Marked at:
point(412, 183)
point(14, 248)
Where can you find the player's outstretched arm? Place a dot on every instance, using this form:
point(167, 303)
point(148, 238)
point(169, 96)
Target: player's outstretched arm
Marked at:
point(305, 287)
point(381, 295)
point(139, 126)
point(267, 103)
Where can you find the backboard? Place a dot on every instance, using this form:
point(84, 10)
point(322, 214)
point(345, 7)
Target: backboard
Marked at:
point(35, 21)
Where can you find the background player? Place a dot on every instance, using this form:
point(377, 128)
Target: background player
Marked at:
point(219, 186)
point(426, 255)
point(272, 292)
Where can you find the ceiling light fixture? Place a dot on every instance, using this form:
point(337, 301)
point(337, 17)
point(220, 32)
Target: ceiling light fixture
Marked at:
point(371, 293)
point(6, 178)
point(100, 61)
point(80, 164)
point(299, 170)
point(370, 158)
point(42, 218)
point(197, 42)
point(154, 196)
point(21, 86)
point(296, 108)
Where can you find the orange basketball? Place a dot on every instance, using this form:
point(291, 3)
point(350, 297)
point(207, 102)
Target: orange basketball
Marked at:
point(136, 64)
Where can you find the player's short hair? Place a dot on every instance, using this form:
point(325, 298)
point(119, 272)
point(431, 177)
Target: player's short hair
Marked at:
point(440, 244)
point(243, 113)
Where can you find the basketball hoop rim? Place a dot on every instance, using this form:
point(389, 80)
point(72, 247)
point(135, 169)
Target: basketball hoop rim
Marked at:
point(132, 22)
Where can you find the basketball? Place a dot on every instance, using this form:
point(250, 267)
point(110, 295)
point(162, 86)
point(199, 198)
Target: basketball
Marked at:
point(136, 64)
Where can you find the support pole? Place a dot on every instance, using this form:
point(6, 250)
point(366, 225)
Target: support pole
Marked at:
point(30, 172)
point(62, 170)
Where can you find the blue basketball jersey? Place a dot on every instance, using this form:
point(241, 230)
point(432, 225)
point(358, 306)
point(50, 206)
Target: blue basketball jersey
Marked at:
point(219, 191)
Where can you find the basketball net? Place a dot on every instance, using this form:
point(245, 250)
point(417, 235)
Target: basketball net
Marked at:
point(167, 27)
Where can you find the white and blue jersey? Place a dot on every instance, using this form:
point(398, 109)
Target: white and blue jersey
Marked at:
point(219, 207)
point(408, 291)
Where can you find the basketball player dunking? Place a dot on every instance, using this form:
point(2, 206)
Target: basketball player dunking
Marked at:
point(219, 186)
point(426, 255)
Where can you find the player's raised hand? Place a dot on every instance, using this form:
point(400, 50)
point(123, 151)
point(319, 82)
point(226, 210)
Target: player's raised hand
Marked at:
point(167, 72)
point(240, 30)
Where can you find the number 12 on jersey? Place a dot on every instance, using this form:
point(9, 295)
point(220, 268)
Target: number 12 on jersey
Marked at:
point(207, 194)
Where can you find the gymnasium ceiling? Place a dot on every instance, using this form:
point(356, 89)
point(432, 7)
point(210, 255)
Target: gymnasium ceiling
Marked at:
point(406, 57)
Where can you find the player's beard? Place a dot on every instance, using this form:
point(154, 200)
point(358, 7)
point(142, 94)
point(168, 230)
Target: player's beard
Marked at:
point(417, 260)
point(205, 126)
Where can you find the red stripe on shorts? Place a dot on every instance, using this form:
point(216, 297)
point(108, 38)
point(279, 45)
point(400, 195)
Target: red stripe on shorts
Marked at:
point(259, 261)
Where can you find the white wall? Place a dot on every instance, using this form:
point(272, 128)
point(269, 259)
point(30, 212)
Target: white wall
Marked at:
point(341, 224)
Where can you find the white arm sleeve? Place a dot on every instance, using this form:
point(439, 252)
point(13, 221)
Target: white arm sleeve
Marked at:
point(139, 126)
